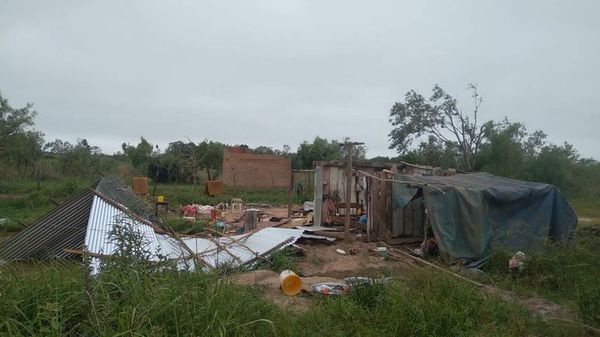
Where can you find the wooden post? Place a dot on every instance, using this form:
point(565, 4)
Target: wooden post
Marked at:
point(290, 192)
point(350, 149)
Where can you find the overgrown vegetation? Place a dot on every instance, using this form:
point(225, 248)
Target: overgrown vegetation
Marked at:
point(21, 202)
point(567, 275)
point(57, 299)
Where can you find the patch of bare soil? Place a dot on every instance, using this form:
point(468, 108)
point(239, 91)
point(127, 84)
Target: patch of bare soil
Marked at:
point(536, 305)
point(321, 263)
point(268, 282)
point(323, 260)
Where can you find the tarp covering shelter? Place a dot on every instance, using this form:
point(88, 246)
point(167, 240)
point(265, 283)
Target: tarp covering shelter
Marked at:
point(469, 213)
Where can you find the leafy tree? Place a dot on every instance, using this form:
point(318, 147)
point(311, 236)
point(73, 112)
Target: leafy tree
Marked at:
point(139, 154)
point(58, 146)
point(320, 149)
point(504, 153)
point(440, 117)
point(556, 165)
point(433, 152)
point(20, 144)
point(210, 156)
point(264, 150)
point(14, 123)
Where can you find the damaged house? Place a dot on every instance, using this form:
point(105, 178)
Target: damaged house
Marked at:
point(466, 214)
point(84, 225)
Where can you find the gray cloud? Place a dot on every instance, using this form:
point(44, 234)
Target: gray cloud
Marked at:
point(275, 72)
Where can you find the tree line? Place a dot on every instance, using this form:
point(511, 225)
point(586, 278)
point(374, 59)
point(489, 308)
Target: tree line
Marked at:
point(25, 154)
point(434, 131)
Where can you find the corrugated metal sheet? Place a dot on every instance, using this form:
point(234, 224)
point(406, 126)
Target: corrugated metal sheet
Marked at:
point(260, 242)
point(103, 218)
point(88, 219)
point(115, 188)
point(63, 227)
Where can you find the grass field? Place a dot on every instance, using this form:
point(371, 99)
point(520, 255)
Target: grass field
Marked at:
point(54, 299)
point(21, 202)
point(57, 300)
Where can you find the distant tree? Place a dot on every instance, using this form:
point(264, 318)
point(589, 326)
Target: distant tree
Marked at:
point(359, 151)
point(504, 152)
point(58, 146)
point(14, 123)
point(264, 150)
point(322, 150)
point(140, 154)
point(535, 143)
point(210, 156)
point(440, 117)
point(433, 152)
point(555, 164)
point(20, 144)
point(25, 148)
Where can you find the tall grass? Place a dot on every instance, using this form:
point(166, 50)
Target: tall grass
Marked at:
point(22, 203)
point(55, 299)
point(566, 274)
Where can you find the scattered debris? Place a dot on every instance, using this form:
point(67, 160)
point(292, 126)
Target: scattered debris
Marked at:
point(517, 261)
point(308, 206)
point(330, 288)
point(340, 251)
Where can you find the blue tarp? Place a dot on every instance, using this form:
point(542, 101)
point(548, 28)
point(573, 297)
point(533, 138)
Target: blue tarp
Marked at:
point(469, 213)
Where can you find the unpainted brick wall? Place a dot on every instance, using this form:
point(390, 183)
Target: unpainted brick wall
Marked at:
point(255, 170)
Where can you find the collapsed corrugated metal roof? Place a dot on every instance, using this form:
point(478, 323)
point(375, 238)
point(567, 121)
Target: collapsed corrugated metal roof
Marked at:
point(86, 224)
point(65, 226)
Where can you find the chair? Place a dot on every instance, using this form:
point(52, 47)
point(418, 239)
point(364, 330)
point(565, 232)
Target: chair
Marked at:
point(237, 203)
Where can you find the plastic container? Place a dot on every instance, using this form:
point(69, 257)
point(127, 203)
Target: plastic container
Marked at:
point(291, 284)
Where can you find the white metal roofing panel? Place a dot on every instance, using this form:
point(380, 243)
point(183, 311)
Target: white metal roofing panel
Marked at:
point(260, 242)
point(103, 218)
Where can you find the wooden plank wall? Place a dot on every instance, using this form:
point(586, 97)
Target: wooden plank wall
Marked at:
point(381, 208)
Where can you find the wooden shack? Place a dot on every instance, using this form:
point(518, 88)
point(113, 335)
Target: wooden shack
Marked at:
point(372, 196)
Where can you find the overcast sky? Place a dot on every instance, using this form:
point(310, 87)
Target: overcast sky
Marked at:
point(279, 72)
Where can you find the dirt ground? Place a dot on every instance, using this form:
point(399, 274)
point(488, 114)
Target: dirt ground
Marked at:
point(322, 263)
